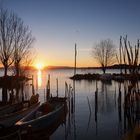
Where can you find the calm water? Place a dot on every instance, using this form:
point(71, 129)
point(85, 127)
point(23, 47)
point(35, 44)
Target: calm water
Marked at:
point(101, 123)
point(105, 121)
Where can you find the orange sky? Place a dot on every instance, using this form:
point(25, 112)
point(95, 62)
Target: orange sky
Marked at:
point(84, 59)
point(57, 26)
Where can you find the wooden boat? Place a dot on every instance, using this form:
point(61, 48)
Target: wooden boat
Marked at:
point(12, 114)
point(43, 117)
point(9, 108)
point(45, 134)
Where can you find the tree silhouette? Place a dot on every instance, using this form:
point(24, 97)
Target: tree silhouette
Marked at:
point(6, 38)
point(15, 41)
point(22, 44)
point(104, 53)
point(131, 56)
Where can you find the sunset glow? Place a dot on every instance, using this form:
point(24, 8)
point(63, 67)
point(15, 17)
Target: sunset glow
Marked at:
point(39, 66)
point(82, 22)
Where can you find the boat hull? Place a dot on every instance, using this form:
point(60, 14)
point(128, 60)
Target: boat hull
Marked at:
point(9, 120)
point(43, 122)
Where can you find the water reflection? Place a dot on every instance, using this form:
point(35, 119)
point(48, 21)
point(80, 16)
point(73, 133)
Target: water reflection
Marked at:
point(39, 78)
point(110, 114)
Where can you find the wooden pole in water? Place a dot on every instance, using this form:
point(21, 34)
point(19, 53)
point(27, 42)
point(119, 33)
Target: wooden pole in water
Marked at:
point(44, 95)
point(66, 89)
point(75, 59)
point(57, 86)
point(74, 94)
point(74, 73)
point(96, 110)
point(48, 88)
point(33, 91)
point(120, 49)
point(96, 107)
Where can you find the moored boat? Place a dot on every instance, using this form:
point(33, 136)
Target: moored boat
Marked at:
point(14, 113)
point(43, 117)
point(9, 108)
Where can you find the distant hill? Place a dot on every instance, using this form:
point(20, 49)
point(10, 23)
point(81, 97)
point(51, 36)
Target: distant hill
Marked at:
point(116, 66)
point(58, 67)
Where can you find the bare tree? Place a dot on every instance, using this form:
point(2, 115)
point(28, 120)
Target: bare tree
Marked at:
point(104, 53)
point(6, 38)
point(28, 61)
point(130, 55)
point(15, 41)
point(22, 45)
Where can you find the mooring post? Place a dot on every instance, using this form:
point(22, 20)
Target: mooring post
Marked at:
point(66, 90)
point(33, 90)
point(57, 87)
point(48, 88)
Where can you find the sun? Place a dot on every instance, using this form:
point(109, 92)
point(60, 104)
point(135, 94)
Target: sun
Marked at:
point(39, 66)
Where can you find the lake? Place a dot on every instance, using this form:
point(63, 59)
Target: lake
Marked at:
point(95, 116)
point(98, 124)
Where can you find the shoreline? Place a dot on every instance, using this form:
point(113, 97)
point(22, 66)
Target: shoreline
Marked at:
point(106, 77)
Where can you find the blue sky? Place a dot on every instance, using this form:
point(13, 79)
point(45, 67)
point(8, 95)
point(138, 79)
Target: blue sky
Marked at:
point(58, 24)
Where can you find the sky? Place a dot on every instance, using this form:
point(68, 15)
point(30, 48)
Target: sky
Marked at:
point(58, 24)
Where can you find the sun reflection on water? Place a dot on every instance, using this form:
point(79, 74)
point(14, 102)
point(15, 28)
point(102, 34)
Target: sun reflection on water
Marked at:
point(39, 78)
